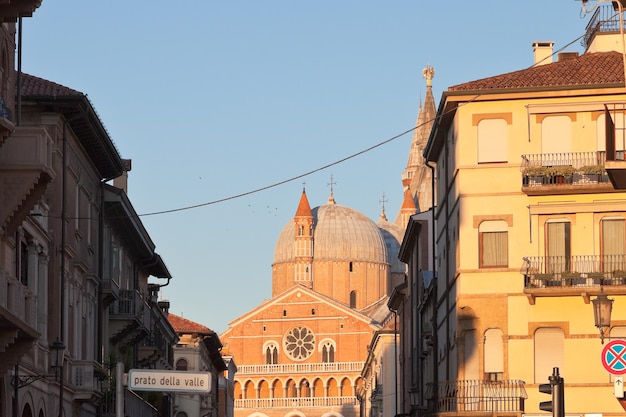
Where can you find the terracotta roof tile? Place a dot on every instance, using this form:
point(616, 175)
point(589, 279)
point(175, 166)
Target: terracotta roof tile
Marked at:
point(35, 86)
point(591, 69)
point(182, 325)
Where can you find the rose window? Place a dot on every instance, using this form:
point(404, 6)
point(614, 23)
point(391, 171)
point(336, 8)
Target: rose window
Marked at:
point(299, 343)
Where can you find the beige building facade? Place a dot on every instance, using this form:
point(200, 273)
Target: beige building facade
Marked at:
point(529, 230)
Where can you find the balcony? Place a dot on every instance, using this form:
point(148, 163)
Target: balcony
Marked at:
point(86, 383)
point(296, 402)
point(26, 170)
point(300, 368)
point(110, 291)
point(550, 276)
point(565, 173)
point(129, 318)
point(479, 396)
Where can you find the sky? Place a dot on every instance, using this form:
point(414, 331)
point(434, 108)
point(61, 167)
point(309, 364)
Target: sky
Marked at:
point(229, 108)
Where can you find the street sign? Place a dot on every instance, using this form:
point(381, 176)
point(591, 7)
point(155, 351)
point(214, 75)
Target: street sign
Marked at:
point(614, 357)
point(160, 380)
point(618, 387)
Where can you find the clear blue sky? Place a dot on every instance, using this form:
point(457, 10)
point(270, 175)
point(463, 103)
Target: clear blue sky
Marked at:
point(213, 99)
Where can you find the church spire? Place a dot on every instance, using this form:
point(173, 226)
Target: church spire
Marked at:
point(304, 208)
point(303, 239)
point(417, 176)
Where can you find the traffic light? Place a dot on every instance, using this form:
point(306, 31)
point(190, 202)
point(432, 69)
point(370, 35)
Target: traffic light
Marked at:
point(555, 387)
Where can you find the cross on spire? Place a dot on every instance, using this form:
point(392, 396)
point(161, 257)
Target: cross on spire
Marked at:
point(383, 201)
point(332, 183)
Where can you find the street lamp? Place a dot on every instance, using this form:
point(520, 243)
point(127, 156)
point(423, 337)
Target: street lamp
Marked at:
point(602, 307)
point(57, 351)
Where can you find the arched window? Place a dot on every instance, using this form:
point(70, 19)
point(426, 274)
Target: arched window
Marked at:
point(181, 365)
point(328, 353)
point(352, 299)
point(271, 354)
point(494, 355)
point(549, 351)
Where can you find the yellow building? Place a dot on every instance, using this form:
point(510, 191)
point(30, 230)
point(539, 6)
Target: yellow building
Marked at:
point(529, 230)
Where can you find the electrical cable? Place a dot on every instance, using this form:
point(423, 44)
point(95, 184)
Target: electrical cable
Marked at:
point(337, 162)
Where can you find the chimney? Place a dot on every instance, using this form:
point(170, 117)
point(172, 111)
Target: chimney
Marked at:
point(563, 56)
point(543, 52)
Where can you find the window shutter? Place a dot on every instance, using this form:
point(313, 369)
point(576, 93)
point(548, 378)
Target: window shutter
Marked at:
point(549, 352)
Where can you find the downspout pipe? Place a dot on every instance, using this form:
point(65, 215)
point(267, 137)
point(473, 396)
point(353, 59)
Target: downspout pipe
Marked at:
point(62, 277)
point(435, 284)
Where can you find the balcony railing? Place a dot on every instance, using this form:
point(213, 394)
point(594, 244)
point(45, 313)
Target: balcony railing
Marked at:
point(603, 20)
point(296, 402)
point(573, 168)
point(479, 396)
point(84, 379)
point(299, 368)
point(573, 271)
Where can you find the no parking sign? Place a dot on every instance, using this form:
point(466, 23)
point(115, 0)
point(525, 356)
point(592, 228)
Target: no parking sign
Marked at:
point(614, 357)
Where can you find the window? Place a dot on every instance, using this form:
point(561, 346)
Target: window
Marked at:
point(558, 246)
point(181, 365)
point(299, 343)
point(22, 262)
point(492, 140)
point(271, 354)
point(494, 355)
point(613, 244)
point(352, 299)
point(556, 137)
point(493, 244)
point(328, 352)
point(549, 352)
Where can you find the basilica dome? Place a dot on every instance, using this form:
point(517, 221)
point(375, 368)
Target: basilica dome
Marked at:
point(339, 233)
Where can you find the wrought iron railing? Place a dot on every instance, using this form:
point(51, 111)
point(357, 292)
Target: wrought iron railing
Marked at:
point(604, 19)
point(574, 159)
point(479, 396)
point(574, 271)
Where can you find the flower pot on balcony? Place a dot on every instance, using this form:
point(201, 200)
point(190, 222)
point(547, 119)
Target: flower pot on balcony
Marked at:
point(547, 280)
point(561, 174)
point(618, 277)
point(595, 278)
point(573, 279)
point(534, 175)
